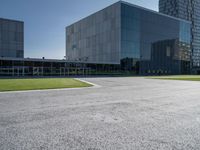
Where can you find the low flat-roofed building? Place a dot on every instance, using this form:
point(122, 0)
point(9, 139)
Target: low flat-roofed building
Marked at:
point(17, 67)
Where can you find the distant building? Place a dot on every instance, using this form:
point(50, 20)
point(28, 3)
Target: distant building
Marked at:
point(118, 40)
point(11, 38)
point(127, 35)
point(188, 10)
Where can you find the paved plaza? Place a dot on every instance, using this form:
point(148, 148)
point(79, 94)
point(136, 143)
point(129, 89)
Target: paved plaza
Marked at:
point(117, 113)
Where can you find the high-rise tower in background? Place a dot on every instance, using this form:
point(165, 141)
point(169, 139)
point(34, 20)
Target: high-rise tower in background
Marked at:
point(189, 10)
point(11, 38)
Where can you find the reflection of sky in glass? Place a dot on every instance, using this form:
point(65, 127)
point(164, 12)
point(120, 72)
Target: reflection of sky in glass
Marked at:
point(185, 32)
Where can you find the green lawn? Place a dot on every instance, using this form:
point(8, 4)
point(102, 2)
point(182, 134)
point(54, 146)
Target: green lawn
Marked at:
point(179, 77)
point(39, 84)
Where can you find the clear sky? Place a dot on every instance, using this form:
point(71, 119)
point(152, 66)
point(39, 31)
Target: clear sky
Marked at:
point(45, 21)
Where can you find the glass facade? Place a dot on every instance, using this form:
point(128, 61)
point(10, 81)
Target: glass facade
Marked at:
point(156, 43)
point(140, 40)
point(188, 10)
point(96, 38)
point(11, 38)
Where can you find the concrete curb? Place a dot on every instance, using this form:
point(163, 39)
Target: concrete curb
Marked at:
point(94, 85)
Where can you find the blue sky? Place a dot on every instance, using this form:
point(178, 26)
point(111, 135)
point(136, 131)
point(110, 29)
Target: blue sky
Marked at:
point(45, 21)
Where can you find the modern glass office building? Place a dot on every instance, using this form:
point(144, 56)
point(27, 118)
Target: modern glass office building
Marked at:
point(139, 40)
point(188, 10)
point(120, 39)
point(11, 38)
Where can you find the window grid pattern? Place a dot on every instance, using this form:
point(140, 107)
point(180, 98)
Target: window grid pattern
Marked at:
point(188, 10)
point(11, 38)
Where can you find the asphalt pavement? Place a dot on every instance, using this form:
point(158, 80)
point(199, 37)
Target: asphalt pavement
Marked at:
point(119, 113)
